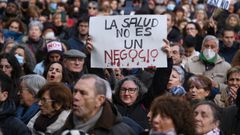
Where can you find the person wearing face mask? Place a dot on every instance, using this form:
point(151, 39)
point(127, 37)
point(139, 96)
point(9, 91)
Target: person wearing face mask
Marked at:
point(25, 58)
point(209, 63)
point(54, 51)
point(171, 5)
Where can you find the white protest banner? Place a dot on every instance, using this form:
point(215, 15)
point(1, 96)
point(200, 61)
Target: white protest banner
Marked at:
point(128, 41)
point(224, 4)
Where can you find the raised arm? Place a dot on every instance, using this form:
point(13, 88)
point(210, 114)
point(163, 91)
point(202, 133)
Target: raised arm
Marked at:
point(160, 79)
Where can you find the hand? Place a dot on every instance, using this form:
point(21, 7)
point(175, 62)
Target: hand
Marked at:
point(212, 24)
point(89, 45)
point(214, 83)
point(233, 92)
point(166, 48)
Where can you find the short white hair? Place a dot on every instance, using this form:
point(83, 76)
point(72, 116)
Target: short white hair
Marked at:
point(210, 37)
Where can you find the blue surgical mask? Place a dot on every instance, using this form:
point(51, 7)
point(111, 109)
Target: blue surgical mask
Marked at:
point(20, 59)
point(53, 7)
point(171, 7)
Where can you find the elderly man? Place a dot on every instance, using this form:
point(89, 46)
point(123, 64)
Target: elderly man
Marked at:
point(74, 63)
point(209, 63)
point(92, 113)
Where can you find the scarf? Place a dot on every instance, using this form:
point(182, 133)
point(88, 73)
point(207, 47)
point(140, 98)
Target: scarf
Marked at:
point(25, 114)
point(208, 61)
point(169, 132)
point(215, 131)
point(43, 121)
point(86, 126)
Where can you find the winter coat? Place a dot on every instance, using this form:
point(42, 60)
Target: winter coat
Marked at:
point(228, 52)
point(52, 127)
point(109, 123)
point(217, 73)
point(138, 110)
point(26, 113)
point(9, 124)
point(221, 99)
point(75, 43)
point(230, 123)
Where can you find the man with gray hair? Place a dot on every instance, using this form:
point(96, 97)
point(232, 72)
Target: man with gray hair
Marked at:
point(209, 63)
point(92, 112)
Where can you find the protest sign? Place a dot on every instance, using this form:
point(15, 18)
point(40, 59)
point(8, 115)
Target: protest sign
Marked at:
point(224, 4)
point(128, 41)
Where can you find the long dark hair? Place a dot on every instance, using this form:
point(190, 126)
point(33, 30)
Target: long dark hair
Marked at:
point(16, 67)
point(65, 77)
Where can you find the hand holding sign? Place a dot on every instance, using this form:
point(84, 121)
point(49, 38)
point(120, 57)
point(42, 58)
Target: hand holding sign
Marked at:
point(166, 48)
point(224, 4)
point(89, 45)
point(128, 41)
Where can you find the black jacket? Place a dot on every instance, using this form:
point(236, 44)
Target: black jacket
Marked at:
point(138, 111)
point(230, 123)
point(109, 123)
point(9, 124)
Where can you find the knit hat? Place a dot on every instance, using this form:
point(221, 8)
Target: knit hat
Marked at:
point(54, 46)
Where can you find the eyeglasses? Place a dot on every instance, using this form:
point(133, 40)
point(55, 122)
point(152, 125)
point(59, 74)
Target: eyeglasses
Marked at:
point(45, 100)
point(129, 90)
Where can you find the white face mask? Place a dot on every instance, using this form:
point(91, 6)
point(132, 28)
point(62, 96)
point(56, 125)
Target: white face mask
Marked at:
point(50, 35)
point(208, 53)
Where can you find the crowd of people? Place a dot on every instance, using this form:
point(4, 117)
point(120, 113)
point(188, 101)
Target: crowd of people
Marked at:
point(48, 87)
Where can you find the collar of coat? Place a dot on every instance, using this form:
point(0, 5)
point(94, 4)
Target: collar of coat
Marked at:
point(107, 120)
point(219, 59)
